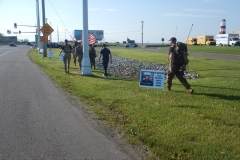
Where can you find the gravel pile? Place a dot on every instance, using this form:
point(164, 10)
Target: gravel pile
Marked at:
point(124, 67)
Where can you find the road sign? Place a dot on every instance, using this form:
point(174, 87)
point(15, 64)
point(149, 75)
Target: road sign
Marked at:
point(50, 54)
point(47, 29)
point(36, 39)
point(43, 39)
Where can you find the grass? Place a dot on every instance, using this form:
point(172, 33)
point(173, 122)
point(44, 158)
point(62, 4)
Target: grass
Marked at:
point(171, 125)
point(212, 49)
point(215, 49)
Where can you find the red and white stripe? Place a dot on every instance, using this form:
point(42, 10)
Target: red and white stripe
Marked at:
point(91, 38)
point(223, 27)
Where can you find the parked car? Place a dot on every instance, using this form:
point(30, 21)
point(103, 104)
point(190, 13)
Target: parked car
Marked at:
point(12, 44)
point(54, 45)
point(31, 44)
point(131, 45)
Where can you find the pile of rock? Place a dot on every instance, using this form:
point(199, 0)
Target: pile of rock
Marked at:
point(124, 67)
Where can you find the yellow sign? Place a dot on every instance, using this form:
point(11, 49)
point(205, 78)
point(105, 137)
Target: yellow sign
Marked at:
point(47, 29)
point(43, 39)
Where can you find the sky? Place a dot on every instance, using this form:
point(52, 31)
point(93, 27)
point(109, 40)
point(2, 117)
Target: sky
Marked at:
point(122, 19)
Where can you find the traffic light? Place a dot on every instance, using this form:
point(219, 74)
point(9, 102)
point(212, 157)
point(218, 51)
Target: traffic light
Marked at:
point(19, 32)
point(8, 31)
point(15, 25)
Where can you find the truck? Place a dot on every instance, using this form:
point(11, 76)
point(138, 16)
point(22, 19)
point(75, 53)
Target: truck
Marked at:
point(206, 40)
point(191, 41)
point(231, 39)
point(131, 43)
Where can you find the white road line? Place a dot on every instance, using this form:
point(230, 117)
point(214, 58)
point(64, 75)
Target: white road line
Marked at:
point(6, 53)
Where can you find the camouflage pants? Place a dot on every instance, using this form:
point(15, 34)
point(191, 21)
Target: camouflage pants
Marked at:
point(92, 61)
point(80, 62)
point(66, 60)
point(179, 75)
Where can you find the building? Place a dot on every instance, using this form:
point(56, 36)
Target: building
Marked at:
point(237, 32)
point(8, 39)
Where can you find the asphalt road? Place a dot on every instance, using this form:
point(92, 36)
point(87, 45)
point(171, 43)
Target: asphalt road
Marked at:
point(39, 121)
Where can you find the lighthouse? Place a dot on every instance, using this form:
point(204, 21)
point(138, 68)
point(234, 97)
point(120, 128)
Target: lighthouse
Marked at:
point(223, 27)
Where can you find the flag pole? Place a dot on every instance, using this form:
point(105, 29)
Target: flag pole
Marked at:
point(86, 66)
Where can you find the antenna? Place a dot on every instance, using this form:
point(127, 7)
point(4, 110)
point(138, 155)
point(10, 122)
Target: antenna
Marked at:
point(190, 31)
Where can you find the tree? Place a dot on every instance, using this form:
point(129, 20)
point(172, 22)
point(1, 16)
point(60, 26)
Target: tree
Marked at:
point(1, 35)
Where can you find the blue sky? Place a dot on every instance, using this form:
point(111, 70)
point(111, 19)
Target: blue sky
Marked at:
point(122, 18)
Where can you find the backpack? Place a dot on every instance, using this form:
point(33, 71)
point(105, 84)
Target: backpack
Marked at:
point(181, 55)
point(67, 49)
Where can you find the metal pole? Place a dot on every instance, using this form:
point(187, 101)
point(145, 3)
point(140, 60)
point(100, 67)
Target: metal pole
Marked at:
point(38, 26)
point(142, 32)
point(86, 66)
point(44, 44)
point(50, 39)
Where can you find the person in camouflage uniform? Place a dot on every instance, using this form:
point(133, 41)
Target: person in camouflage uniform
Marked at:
point(176, 61)
point(92, 56)
point(67, 49)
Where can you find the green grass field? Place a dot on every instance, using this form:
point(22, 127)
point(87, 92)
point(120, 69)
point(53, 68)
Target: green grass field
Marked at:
point(215, 49)
point(170, 125)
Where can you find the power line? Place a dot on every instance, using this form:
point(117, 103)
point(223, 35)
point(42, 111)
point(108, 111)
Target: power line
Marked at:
point(59, 17)
point(94, 24)
point(120, 32)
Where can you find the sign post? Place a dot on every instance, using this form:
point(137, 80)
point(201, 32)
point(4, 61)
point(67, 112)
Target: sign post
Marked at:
point(162, 42)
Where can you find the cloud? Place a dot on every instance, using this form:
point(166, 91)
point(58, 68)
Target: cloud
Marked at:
point(202, 10)
point(188, 15)
point(111, 10)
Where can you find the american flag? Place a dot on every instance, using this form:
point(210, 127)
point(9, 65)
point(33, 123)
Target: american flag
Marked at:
point(91, 38)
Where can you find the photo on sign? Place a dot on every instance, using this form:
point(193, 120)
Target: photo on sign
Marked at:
point(152, 78)
point(146, 78)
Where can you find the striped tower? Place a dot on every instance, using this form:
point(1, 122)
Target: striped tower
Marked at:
point(223, 27)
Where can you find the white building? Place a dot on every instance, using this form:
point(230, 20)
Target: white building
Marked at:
point(237, 32)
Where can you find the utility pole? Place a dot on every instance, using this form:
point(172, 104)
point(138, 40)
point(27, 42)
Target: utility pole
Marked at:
point(44, 44)
point(142, 32)
point(50, 39)
point(86, 66)
point(65, 33)
point(38, 25)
